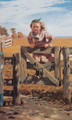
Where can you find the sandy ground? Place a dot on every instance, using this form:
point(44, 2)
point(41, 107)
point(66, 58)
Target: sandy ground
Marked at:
point(33, 108)
point(39, 102)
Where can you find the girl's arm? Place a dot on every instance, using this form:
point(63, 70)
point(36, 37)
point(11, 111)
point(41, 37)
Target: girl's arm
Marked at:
point(48, 39)
point(30, 40)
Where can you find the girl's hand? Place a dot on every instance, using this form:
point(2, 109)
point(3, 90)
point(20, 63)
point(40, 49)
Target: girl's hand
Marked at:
point(32, 45)
point(46, 45)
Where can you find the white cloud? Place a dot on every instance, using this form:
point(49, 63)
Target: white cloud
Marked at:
point(59, 31)
point(63, 26)
point(17, 12)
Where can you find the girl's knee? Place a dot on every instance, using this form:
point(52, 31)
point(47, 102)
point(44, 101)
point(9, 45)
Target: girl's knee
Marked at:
point(44, 59)
point(37, 58)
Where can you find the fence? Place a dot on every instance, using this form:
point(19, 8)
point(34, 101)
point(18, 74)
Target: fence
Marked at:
point(48, 78)
point(15, 81)
point(6, 43)
point(45, 78)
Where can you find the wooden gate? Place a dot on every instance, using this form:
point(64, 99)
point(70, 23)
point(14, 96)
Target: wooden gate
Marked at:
point(46, 77)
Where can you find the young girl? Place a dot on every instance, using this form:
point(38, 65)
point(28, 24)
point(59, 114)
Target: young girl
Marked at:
point(39, 37)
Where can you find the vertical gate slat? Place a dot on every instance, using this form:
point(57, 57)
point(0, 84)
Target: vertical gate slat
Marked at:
point(57, 64)
point(23, 67)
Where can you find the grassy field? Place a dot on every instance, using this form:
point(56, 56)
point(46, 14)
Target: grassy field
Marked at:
point(17, 43)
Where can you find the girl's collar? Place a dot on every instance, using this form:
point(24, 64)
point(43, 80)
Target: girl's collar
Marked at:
point(40, 35)
point(36, 34)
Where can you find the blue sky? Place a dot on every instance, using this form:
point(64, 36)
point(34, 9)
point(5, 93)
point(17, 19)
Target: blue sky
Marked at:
point(56, 14)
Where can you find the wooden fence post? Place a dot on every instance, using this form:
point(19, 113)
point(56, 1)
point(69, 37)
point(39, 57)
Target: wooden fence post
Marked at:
point(16, 80)
point(57, 64)
point(1, 75)
point(66, 78)
point(23, 67)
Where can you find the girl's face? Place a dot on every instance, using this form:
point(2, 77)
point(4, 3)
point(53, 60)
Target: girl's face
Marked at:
point(36, 28)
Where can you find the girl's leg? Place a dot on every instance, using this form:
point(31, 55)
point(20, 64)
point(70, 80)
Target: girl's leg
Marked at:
point(36, 57)
point(43, 59)
point(51, 58)
point(47, 57)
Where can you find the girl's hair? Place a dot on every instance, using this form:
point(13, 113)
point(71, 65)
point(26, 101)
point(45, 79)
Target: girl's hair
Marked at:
point(38, 21)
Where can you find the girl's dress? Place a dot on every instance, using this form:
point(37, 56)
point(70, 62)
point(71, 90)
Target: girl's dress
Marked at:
point(39, 40)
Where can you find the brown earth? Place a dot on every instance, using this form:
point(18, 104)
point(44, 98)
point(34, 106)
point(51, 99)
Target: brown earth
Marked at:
point(34, 108)
point(41, 102)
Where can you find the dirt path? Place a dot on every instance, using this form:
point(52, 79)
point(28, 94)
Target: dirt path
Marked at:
point(36, 109)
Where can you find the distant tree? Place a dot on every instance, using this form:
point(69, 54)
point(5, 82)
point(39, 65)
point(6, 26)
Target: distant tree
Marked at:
point(0, 26)
point(0, 29)
point(13, 30)
point(3, 31)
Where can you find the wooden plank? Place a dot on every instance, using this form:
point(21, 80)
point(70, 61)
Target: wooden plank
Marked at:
point(39, 67)
point(16, 80)
point(71, 83)
point(9, 43)
point(1, 76)
point(49, 66)
point(6, 43)
point(0, 45)
point(1, 86)
point(8, 60)
point(70, 70)
point(35, 80)
point(70, 50)
point(39, 50)
point(66, 77)
point(1, 70)
point(8, 40)
point(44, 50)
point(57, 64)
point(23, 68)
